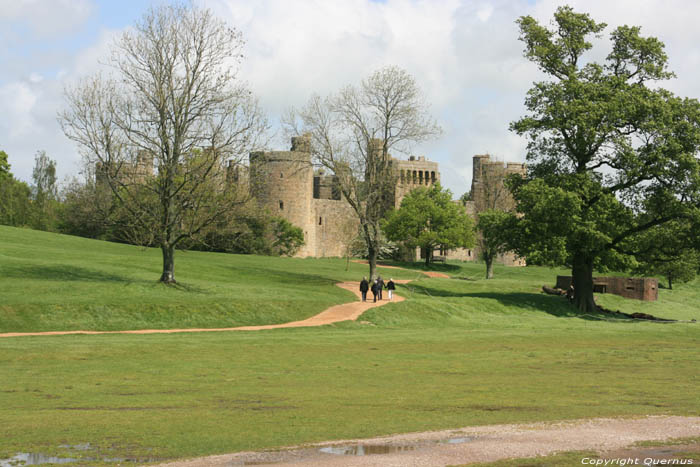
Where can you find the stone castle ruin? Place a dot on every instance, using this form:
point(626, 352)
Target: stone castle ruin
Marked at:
point(285, 183)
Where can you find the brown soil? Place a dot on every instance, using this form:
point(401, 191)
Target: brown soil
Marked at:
point(334, 314)
point(474, 444)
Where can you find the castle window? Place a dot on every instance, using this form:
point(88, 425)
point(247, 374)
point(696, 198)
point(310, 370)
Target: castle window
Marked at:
point(415, 177)
point(420, 177)
point(281, 175)
point(432, 176)
point(470, 253)
point(320, 221)
point(281, 205)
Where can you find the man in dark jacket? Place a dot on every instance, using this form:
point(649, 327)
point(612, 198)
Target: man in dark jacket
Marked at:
point(390, 286)
point(380, 286)
point(375, 289)
point(364, 287)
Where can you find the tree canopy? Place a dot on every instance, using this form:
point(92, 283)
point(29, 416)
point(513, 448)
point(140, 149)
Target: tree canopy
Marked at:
point(160, 129)
point(610, 154)
point(429, 219)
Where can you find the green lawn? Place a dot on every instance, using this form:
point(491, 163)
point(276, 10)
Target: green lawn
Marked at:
point(455, 353)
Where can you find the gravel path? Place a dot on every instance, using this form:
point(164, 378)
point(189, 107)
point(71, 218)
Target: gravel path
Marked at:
point(468, 445)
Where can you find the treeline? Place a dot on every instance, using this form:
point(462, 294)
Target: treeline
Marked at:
point(86, 209)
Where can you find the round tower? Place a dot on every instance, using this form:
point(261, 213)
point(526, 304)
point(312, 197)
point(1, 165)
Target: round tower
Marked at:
point(282, 182)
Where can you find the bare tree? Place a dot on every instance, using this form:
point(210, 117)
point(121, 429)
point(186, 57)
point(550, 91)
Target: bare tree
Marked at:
point(352, 133)
point(160, 128)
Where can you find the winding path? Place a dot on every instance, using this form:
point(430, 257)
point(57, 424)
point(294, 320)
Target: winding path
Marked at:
point(334, 314)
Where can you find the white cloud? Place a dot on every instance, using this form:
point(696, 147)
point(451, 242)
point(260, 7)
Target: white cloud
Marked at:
point(46, 18)
point(465, 55)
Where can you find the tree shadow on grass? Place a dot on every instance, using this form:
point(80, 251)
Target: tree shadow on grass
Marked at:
point(420, 266)
point(525, 301)
point(276, 277)
point(61, 273)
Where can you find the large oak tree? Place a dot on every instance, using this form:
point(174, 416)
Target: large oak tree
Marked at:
point(610, 153)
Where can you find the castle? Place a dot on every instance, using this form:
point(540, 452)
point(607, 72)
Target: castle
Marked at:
point(285, 183)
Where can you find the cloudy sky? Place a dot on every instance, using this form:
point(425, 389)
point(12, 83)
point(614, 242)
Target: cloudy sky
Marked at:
point(464, 54)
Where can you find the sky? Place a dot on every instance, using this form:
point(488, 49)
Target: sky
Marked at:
point(464, 54)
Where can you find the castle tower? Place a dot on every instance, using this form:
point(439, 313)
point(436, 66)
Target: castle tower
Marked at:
point(282, 182)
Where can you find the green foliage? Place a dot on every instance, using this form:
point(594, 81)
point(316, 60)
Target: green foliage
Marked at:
point(429, 219)
point(15, 202)
point(609, 157)
point(4, 165)
point(494, 226)
point(671, 250)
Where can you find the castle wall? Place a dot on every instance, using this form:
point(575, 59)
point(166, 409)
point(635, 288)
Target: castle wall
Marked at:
point(413, 173)
point(335, 224)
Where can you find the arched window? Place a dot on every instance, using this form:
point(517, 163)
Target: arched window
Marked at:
point(281, 205)
point(432, 176)
point(420, 177)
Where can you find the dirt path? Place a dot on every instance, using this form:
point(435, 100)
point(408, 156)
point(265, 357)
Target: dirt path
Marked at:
point(469, 445)
point(334, 314)
point(427, 273)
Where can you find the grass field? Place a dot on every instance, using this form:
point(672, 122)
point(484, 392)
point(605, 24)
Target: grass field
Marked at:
point(455, 353)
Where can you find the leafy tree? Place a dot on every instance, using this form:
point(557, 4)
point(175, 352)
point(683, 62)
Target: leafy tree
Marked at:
point(493, 226)
point(44, 176)
point(352, 132)
point(671, 250)
point(15, 202)
point(609, 156)
point(4, 165)
point(428, 218)
point(161, 128)
point(46, 206)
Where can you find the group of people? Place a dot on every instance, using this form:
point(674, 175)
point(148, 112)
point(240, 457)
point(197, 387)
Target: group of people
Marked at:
point(377, 287)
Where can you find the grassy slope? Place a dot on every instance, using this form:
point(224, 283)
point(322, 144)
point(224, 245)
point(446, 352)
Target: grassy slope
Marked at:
point(59, 282)
point(457, 353)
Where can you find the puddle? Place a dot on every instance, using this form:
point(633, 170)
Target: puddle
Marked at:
point(24, 458)
point(371, 449)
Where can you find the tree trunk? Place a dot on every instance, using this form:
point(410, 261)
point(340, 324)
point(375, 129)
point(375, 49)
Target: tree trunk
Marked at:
point(670, 282)
point(488, 259)
point(372, 259)
point(168, 276)
point(428, 255)
point(582, 273)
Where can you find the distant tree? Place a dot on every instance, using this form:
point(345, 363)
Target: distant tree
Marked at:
point(466, 197)
point(44, 176)
point(4, 165)
point(671, 250)
point(15, 202)
point(352, 134)
point(493, 236)
point(160, 130)
point(428, 218)
point(45, 206)
point(609, 156)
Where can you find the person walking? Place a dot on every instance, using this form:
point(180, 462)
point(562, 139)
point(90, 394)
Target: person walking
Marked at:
point(380, 284)
point(364, 287)
point(375, 290)
point(390, 286)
